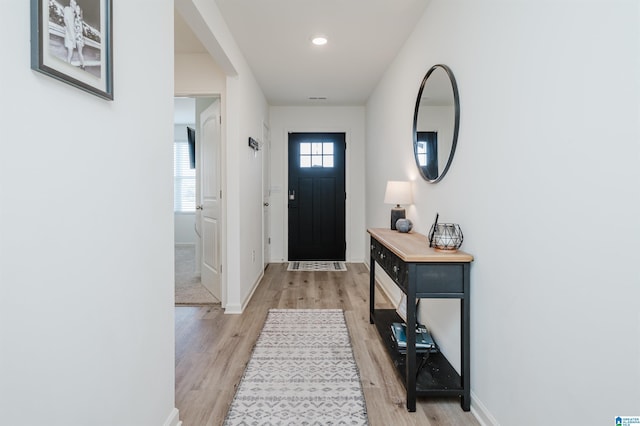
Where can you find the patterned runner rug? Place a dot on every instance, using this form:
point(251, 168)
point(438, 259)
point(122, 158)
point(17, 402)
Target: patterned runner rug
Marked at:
point(317, 265)
point(301, 372)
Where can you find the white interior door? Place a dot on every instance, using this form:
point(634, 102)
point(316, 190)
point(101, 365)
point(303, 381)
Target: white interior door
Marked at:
point(210, 204)
point(266, 191)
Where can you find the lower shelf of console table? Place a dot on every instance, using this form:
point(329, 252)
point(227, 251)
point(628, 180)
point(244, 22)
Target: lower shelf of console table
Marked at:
point(436, 378)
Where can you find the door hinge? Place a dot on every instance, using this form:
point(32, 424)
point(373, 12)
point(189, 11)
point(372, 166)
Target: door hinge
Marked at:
point(269, 240)
point(220, 119)
point(221, 194)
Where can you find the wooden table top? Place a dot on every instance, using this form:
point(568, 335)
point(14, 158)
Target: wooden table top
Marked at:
point(414, 247)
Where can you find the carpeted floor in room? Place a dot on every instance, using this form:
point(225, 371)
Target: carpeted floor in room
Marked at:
point(189, 289)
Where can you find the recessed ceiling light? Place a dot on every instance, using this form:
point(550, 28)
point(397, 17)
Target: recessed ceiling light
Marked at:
point(319, 40)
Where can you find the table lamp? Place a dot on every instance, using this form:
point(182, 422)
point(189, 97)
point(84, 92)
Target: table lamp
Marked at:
point(398, 192)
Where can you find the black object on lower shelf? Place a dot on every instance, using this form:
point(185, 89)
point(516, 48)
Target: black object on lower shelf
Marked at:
point(424, 341)
point(436, 378)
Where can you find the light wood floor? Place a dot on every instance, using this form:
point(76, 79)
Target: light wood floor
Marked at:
point(212, 349)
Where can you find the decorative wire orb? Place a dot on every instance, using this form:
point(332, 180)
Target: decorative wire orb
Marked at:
point(446, 236)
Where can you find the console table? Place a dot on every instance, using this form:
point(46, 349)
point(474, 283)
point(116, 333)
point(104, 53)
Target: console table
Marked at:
point(422, 272)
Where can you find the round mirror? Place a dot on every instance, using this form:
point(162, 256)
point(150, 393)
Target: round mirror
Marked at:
point(435, 123)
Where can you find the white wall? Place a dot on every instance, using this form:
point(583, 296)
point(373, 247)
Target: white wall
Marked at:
point(196, 74)
point(544, 186)
point(243, 115)
point(86, 239)
point(245, 192)
point(349, 120)
point(184, 229)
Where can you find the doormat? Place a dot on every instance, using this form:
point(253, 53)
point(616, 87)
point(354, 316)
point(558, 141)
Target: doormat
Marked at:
point(301, 372)
point(315, 265)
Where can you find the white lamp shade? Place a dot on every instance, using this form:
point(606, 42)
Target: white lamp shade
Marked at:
point(398, 192)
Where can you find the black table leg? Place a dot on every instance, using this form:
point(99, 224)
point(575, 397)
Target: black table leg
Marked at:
point(372, 286)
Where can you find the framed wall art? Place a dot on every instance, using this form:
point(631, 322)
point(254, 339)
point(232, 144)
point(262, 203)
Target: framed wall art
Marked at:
point(71, 40)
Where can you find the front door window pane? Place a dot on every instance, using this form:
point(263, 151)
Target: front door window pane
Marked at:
point(316, 154)
point(305, 161)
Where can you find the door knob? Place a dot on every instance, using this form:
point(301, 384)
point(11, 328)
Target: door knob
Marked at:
point(266, 204)
point(199, 207)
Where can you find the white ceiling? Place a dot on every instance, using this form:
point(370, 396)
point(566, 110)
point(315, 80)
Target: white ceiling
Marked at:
point(275, 37)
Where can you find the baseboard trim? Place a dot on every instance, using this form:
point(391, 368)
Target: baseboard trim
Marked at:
point(253, 290)
point(173, 419)
point(237, 309)
point(481, 413)
point(233, 309)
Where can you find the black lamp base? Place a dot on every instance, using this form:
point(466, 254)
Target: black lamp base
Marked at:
point(396, 213)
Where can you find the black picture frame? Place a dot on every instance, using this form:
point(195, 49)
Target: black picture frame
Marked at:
point(83, 59)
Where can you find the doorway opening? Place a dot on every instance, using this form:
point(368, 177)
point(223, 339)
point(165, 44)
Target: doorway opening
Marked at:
point(194, 140)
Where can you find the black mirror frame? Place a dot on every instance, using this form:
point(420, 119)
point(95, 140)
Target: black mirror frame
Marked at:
point(456, 101)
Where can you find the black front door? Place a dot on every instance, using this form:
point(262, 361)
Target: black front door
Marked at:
point(316, 196)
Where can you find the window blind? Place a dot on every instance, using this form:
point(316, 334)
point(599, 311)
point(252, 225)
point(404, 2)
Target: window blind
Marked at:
point(184, 179)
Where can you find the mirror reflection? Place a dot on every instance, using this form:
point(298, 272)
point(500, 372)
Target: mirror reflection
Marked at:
point(435, 123)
